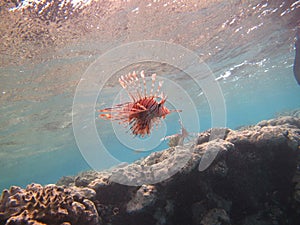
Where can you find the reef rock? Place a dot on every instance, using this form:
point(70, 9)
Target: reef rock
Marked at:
point(292, 113)
point(46, 205)
point(144, 196)
point(253, 177)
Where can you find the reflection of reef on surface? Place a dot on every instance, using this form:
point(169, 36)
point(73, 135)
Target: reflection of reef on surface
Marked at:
point(47, 26)
point(255, 179)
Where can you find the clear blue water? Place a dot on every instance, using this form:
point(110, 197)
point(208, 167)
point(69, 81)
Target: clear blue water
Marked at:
point(250, 52)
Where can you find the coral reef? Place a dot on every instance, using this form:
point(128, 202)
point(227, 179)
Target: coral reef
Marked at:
point(46, 205)
point(254, 180)
point(293, 113)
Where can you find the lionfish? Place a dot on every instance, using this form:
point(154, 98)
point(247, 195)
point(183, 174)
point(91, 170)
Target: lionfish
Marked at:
point(144, 110)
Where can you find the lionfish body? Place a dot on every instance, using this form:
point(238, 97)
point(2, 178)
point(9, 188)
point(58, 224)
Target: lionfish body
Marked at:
point(144, 110)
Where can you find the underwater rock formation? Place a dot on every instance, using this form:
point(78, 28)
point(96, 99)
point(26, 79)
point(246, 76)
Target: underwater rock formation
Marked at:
point(51, 204)
point(293, 113)
point(254, 180)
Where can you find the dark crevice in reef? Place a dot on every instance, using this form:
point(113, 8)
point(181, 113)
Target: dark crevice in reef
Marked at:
point(254, 180)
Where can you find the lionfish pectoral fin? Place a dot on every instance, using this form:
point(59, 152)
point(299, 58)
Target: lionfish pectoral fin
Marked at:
point(118, 112)
point(140, 127)
point(105, 116)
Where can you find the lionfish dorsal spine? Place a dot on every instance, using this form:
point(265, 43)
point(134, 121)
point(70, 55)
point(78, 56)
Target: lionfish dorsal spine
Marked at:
point(163, 98)
point(160, 83)
point(144, 82)
point(125, 84)
point(137, 88)
point(137, 83)
point(153, 77)
point(133, 85)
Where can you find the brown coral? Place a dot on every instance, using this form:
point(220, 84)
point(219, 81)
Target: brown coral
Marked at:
point(46, 205)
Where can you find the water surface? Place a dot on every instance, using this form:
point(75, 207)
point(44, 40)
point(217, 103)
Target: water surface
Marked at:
point(46, 48)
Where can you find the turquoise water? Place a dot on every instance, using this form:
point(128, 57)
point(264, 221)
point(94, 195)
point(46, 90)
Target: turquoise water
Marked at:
point(250, 53)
